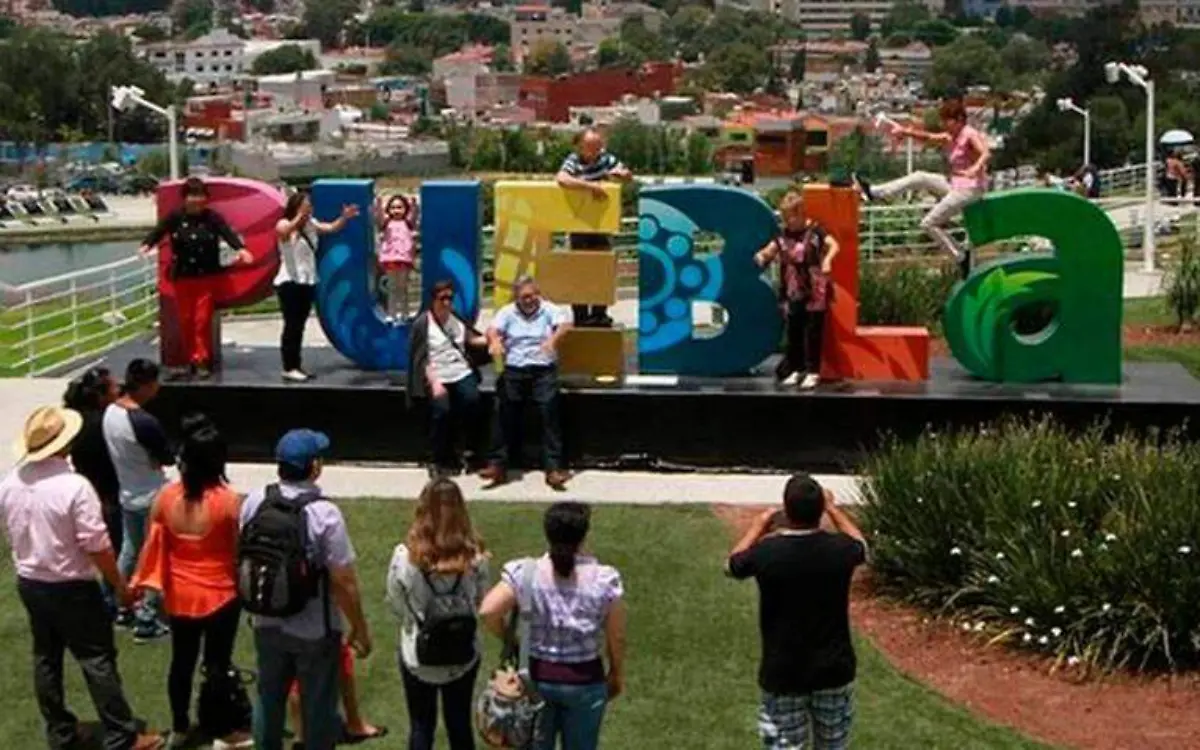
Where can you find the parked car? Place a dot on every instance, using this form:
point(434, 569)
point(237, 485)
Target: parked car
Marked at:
point(138, 184)
point(22, 192)
point(96, 183)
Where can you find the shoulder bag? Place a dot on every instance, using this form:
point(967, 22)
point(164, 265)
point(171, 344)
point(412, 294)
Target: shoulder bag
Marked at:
point(507, 711)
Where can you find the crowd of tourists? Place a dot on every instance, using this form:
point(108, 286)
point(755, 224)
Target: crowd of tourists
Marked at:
point(196, 555)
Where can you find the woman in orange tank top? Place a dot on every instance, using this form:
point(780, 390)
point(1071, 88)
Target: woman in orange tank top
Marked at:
point(191, 557)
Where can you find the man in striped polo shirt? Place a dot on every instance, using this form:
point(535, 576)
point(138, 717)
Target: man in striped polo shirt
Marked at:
point(585, 169)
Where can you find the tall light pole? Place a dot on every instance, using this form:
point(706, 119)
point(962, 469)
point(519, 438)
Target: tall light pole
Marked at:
point(1068, 105)
point(125, 98)
point(1139, 75)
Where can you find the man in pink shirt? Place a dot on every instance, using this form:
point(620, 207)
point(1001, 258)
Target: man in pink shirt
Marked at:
point(56, 530)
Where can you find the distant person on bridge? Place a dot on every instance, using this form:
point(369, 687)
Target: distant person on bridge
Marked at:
point(968, 153)
point(586, 168)
point(196, 232)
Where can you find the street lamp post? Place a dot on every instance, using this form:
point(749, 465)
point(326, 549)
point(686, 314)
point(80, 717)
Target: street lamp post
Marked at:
point(1138, 74)
point(125, 98)
point(1068, 105)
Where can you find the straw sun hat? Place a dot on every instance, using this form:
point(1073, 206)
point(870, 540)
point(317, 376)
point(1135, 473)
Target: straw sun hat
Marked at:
point(48, 431)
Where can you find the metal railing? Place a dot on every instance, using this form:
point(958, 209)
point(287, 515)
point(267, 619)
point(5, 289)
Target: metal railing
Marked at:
point(50, 324)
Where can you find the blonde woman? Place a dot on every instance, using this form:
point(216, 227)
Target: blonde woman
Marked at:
point(435, 585)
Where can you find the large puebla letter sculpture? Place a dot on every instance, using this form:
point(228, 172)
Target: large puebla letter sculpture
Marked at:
point(1080, 280)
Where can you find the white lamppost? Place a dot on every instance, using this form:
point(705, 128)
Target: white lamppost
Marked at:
point(1068, 105)
point(1139, 75)
point(882, 119)
point(125, 98)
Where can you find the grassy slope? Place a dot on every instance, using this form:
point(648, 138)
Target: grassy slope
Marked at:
point(693, 642)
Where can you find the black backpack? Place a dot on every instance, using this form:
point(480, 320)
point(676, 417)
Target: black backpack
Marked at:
point(446, 632)
point(274, 575)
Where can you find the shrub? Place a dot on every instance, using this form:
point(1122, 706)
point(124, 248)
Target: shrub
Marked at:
point(904, 292)
point(1183, 284)
point(1068, 544)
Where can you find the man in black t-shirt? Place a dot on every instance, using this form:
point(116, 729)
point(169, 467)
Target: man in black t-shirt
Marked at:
point(803, 574)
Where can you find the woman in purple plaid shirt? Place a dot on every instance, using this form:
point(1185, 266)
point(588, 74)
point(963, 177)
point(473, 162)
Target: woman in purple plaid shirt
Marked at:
point(576, 600)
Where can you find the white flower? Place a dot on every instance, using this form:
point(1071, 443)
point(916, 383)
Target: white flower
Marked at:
point(1059, 609)
point(1036, 504)
point(993, 579)
point(1043, 640)
point(1056, 632)
point(979, 626)
point(920, 501)
point(1105, 607)
point(1029, 622)
point(1116, 477)
point(1103, 547)
point(1014, 610)
point(1026, 638)
point(999, 555)
point(1072, 661)
point(1185, 550)
point(1076, 552)
point(955, 551)
point(1065, 533)
point(1110, 537)
point(1072, 504)
point(967, 626)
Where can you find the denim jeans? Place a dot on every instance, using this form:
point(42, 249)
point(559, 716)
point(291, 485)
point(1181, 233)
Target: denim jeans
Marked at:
point(422, 700)
point(518, 385)
point(135, 525)
point(461, 405)
point(573, 712)
point(282, 659)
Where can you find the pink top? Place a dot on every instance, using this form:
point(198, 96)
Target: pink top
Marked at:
point(53, 520)
point(396, 245)
point(962, 156)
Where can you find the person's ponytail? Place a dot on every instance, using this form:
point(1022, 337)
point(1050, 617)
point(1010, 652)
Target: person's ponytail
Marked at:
point(562, 557)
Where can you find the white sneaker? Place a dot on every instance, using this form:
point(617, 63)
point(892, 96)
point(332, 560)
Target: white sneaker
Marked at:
point(244, 744)
point(791, 380)
point(811, 381)
point(295, 376)
point(177, 740)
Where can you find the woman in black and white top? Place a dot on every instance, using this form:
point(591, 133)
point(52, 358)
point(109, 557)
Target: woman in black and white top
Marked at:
point(296, 281)
point(442, 370)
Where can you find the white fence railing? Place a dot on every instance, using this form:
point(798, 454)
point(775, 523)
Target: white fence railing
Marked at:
point(50, 324)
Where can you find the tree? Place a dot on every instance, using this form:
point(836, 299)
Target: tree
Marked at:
point(82, 8)
point(608, 53)
point(263, 6)
point(403, 60)
point(288, 58)
point(149, 32)
point(548, 58)
point(860, 26)
point(967, 61)
point(1022, 17)
point(7, 27)
point(1022, 56)
point(157, 163)
point(935, 32)
point(799, 61)
point(685, 28)
point(1004, 17)
point(502, 58)
point(416, 6)
point(738, 67)
point(440, 34)
point(193, 16)
point(904, 15)
point(327, 19)
point(872, 61)
point(699, 154)
point(774, 86)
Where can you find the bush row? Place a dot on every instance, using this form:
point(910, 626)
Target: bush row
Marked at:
point(1074, 545)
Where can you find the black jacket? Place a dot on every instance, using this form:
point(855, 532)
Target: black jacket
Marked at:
point(418, 354)
point(195, 241)
point(89, 456)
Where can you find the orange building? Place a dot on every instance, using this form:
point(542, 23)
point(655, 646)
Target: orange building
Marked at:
point(774, 139)
point(552, 98)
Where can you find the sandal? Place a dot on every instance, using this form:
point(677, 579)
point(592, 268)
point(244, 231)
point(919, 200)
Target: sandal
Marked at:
point(356, 739)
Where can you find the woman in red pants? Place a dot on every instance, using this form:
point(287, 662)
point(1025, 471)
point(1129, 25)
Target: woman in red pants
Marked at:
point(196, 232)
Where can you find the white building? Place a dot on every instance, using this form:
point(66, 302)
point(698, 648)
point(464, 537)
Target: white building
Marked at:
point(823, 18)
point(218, 57)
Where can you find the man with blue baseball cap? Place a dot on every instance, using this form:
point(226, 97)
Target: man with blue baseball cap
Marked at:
point(304, 646)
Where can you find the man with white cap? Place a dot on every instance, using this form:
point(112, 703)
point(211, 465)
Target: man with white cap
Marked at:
point(305, 646)
point(56, 530)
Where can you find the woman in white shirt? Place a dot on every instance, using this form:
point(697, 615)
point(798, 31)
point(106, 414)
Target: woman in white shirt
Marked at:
point(441, 369)
point(296, 281)
point(435, 583)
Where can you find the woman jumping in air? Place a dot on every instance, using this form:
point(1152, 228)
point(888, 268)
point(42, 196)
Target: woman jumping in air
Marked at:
point(968, 153)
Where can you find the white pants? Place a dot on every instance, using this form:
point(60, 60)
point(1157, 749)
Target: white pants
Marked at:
point(951, 202)
point(397, 302)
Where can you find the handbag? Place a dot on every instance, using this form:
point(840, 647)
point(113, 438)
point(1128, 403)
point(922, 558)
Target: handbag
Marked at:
point(223, 706)
point(507, 711)
point(476, 357)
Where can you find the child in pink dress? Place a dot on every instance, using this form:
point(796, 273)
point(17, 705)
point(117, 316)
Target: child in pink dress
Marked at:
point(397, 253)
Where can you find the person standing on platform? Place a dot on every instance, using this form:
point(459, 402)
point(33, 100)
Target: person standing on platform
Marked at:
point(586, 168)
point(443, 371)
point(968, 154)
point(803, 574)
point(805, 252)
point(196, 232)
point(524, 335)
point(397, 252)
point(306, 646)
point(139, 449)
point(90, 395)
point(296, 281)
point(53, 521)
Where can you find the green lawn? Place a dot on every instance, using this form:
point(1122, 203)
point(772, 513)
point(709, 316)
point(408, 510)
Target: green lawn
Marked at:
point(693, 642)
point(59, 334)
point(1155, 312)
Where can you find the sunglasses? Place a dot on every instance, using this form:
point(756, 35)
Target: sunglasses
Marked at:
point(444, 297)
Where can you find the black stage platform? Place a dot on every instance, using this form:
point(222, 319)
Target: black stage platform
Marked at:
point(710, 423)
